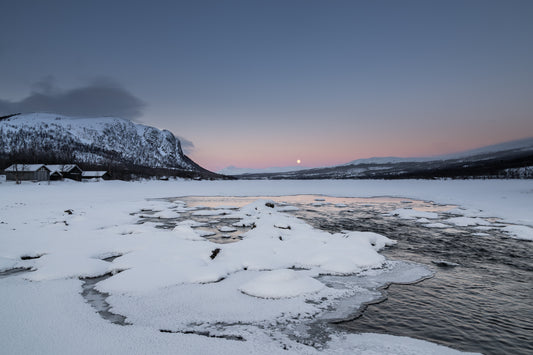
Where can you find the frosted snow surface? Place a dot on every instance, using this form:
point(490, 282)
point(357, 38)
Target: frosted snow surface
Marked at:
point(257, 289)
point(278, 241)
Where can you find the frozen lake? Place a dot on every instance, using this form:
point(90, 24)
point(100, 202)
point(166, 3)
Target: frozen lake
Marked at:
point(145, 267)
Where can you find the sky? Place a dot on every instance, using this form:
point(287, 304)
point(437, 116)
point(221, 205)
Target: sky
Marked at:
point(257, 84)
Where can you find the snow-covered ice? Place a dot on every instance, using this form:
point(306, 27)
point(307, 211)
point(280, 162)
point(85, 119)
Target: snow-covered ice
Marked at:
point(281, 284)
point(172, 279)
point(467, 221)
point(227, 229)
point(520, 232)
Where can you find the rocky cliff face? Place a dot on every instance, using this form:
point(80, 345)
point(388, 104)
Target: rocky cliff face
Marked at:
point(94, 141)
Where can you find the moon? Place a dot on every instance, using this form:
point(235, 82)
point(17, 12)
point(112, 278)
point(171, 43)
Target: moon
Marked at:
point(298, 161)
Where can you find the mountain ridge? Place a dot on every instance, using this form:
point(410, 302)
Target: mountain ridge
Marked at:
point(96, 142)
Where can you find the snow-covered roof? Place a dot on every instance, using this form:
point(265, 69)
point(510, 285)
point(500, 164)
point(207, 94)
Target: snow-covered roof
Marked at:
point(93, 174)
point(25, 167)
point(61, 167)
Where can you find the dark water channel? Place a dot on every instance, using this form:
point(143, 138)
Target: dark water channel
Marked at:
point(481, 297)
point(484, 304)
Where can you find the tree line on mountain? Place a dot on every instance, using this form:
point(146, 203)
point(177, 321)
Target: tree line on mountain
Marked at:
point(48, 146)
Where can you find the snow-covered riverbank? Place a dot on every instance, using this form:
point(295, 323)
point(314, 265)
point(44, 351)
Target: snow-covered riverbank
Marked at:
point(172, 280)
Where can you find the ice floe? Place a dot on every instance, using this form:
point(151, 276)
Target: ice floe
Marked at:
point(519, 232)
point(408, 213)
point(281, 284)
point(467, 221)
point(436, 225)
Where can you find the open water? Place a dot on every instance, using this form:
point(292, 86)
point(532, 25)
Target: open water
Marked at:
point(481, 296)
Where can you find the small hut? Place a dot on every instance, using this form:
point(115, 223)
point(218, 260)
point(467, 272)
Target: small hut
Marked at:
point(88, 175)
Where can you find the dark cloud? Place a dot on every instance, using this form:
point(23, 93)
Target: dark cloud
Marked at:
point(186, 145)
point(102, 97)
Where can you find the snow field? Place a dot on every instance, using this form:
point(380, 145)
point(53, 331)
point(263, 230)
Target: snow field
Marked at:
point(167, 279)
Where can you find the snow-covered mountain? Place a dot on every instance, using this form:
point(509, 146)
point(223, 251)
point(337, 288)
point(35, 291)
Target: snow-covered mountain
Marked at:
point(95, 141)
point(506, 160)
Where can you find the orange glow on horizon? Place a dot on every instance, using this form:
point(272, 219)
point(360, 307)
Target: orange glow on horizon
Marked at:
point(217, 158)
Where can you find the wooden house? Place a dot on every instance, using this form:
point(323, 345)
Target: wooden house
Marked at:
point(55, 176)
point(67, 171)
point(27, 172)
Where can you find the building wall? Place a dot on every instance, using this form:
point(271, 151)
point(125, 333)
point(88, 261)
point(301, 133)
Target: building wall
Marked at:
point(74, 174)
point(40, 175)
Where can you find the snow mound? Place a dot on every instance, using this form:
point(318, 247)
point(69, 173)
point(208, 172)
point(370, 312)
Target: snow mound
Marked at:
point(281, 284)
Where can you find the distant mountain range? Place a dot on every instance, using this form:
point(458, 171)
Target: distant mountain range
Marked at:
point(507, 160)
point(106, 143)
point(233, 170)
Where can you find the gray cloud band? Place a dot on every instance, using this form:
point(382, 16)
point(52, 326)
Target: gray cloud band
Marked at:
point(101, 98)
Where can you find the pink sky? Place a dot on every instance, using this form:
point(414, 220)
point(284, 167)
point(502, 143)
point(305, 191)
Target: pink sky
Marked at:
point(261, 153)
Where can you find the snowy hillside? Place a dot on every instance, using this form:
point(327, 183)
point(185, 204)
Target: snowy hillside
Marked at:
point(505, 160)
point(95, 141)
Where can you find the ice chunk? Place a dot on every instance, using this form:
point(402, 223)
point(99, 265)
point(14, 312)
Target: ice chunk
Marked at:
point(211, 212)
point(436, 225)
point(467, 221)
point(281, 284)
point(408, 213)
point(519, 232)
point(166, 214)
point(287, 209)
point(226, 229)
point(205, 233)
